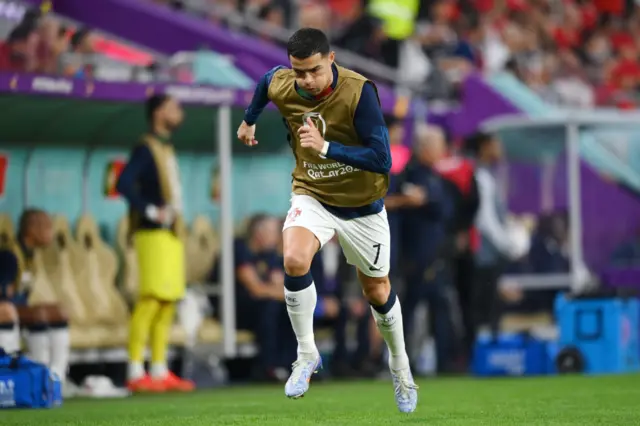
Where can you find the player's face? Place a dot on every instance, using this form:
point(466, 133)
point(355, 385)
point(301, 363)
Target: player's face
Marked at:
point(495, 150)
point(44, 230)
point(172, 113)
point(313, 74)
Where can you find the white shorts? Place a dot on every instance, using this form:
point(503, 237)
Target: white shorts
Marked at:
point(365, 240)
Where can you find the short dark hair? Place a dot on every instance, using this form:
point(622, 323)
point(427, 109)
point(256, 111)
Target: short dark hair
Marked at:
point(78, 37)
point(306, 42)
point(153, 103)
point(26, 221)
point(474, 143)
point(254, 223)
point(19, 33)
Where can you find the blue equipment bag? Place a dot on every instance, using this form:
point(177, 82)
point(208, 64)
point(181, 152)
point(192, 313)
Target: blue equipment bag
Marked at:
point(602, 331)
point(509, 354)
point(27, 384)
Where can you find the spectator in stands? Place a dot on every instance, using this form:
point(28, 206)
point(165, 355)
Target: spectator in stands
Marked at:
point(150, 182)
point(273, 16)
point(358, 31)
point(314, 15)
point(46, 324)
point(496, 245)
point(399, 20)
point(338, 306)
point(426, 208)
point(19, 52)
point(53, 42)
point(260, 306)
point(80, 61)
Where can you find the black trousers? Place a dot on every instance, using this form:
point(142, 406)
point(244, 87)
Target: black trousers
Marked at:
point(463, 268)
point(485, 300)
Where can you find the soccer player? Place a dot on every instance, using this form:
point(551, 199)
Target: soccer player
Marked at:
point(341, 146)
point(46, 325)
point(151, 184)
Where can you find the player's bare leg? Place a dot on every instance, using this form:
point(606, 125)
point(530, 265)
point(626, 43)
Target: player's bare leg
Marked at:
point(9, 333)
point(387, 313)
point(300, 245)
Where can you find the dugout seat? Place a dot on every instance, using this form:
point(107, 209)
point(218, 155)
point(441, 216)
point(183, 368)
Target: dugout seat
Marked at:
point(129, 264)
point(202, 248)
point(63, 264)
point(7, 233)
point(211, 333)
point(99, 276)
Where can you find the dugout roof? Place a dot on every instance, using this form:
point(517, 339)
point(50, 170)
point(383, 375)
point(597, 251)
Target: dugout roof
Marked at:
point(48, 110)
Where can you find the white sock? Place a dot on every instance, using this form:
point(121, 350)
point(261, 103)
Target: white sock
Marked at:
point(159, 370)
point(60, 345)
point(135, 370)
point(301, 306)
point(390, 326)
point(10, 338)
point(39, 347)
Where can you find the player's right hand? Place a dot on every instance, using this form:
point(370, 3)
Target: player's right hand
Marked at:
point(247, 134)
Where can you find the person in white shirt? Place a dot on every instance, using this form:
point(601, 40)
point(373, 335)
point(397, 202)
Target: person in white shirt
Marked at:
point(496, 244)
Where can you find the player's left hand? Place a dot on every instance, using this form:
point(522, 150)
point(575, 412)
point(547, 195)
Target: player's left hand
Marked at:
point(310, 137)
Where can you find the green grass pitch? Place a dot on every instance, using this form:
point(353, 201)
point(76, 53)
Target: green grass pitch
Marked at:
point(579, 401)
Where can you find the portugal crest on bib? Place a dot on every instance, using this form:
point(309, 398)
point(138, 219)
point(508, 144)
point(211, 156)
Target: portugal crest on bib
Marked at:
point(317, 119)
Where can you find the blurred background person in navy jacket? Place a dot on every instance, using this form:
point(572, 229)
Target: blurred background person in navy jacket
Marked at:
point(426, 206)
point(260, 306)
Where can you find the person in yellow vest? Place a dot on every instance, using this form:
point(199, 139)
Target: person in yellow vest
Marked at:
point(398, 23)
point(341, 146)
point(150, 182)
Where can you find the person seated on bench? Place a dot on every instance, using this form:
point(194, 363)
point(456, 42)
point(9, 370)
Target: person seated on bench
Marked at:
point(46, 325)
point(260, 306)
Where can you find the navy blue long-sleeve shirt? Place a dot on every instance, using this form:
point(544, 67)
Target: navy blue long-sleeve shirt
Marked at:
point(8, 272)
point(424, 228)
point(139, 185)
point(373, 156)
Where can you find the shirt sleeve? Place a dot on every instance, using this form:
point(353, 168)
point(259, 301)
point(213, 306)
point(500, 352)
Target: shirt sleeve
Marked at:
point(260, 97)
point(139, 163)
point(375, 155)
point(487, 219)
point(242, 256)
point(8, 271)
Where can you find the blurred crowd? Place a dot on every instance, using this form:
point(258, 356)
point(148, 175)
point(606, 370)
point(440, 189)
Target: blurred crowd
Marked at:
point(579, 53)
point(43, 45)
point(41, 42)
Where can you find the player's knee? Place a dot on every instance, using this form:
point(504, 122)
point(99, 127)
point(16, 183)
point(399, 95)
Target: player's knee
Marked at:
point(35, 316)
point(376, 290)
point(296, 263)
point(55, 315)
point(8, 313)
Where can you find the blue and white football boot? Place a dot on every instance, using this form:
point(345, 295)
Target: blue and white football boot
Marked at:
point(405, 390)
point(303, 369)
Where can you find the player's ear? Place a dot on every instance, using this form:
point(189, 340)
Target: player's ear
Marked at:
point(332, 57)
